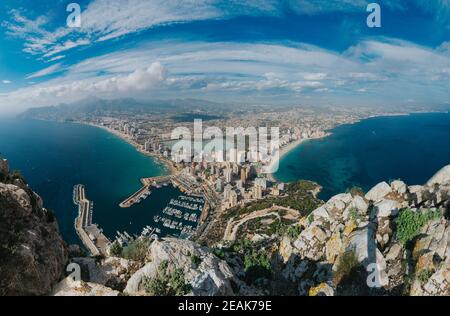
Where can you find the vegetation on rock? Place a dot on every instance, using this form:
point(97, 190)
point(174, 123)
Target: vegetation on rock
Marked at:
point(167, 283)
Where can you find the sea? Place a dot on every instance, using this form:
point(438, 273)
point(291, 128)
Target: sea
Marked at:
point(410, 147)
point(53, 157)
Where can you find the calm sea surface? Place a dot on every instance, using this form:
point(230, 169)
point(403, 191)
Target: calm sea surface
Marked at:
point(54, 157)
point(411, 148)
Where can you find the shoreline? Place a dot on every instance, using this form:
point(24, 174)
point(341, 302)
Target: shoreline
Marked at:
point(288, 148)
point(172, 170)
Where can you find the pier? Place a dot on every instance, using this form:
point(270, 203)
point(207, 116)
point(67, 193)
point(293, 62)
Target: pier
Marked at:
point(145, 191)
point(90, 234)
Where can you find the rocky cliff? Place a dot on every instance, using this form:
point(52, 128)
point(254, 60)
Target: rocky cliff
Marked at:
point(32, 252)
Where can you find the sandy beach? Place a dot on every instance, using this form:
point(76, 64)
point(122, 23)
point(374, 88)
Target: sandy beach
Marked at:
point(167, 162)
point(288, 148)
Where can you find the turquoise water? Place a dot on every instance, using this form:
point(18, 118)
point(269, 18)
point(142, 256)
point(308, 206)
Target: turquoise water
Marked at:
point(54, 157)
point(411, 148)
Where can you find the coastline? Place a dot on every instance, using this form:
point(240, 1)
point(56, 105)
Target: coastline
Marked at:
point(166, 162)
point(288, 148)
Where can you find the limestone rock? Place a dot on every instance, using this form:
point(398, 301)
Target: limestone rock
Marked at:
point(367, 253)
point(360, 204)
point(285, 249)
point(321, 212)
point(333, 247)
point(394, 252)
point(33, 254)
point(69, 287)
point(441, 177)
point(323, 289)
point(211, 277)
point(378, 192)
point(398, 186)
point(386, 208)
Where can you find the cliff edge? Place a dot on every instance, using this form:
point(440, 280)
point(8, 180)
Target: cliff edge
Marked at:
point(32, 252)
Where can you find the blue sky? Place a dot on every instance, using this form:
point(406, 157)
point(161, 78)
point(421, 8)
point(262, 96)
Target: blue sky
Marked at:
point(290, 52)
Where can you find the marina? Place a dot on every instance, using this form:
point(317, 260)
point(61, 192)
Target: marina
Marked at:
point(182, 214)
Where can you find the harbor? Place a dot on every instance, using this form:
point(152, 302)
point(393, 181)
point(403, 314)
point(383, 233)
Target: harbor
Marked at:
point(145, 191)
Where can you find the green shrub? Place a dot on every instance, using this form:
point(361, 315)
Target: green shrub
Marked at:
point(347, 263)
point(136, 250)
point(167, 284)
point(219, 253)
point(354, 214)
point(115, 249)
point(256, 265)
point(424, 275)
point(293, 231)
point(196, 260)
point(409, 223)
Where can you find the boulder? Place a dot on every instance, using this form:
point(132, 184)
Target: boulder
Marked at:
point(398, 186)
point(362, 242)
point(378, 192)
point(285, 249)
point(441, 177)
point(320, 212)
point(394, 252)
point(360, 204)
point(386, 208)
point(333, 247)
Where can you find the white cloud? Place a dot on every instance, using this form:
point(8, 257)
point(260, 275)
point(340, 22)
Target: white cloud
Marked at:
point(103, 20)
point(44, 72)
point(6, 82)
point(202, 69)
point(58, 57)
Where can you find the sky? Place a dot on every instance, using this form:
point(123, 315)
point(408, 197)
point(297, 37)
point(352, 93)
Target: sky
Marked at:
point(254, 51)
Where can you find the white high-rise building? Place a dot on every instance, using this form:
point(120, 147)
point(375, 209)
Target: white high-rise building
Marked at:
point(228, 175)
point(261, 182)
point(233, 198)
point(226, 191)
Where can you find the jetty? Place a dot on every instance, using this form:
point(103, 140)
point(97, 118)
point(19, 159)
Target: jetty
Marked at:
point(145, 191)
point(90, 234)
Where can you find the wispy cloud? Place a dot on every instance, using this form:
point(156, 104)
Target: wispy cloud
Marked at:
point(44, 72)
point(235, 69)
point(6, 82)
point(104, 20)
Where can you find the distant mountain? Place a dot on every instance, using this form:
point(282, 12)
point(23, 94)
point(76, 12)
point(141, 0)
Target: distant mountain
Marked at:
point(97, 106)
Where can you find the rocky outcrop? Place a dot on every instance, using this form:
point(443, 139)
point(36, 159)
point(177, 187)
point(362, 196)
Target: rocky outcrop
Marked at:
point(32, 252)
point(441, 177)
point(369, 228)
point(69, 287)
point(209, 276)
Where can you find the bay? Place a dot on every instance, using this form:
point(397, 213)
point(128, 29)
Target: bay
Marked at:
point(53, 157)
point(411, 148)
